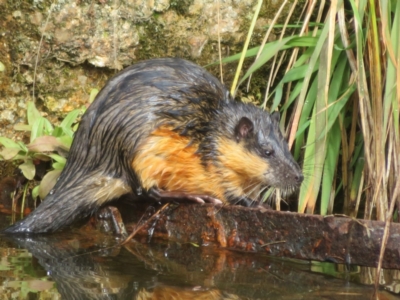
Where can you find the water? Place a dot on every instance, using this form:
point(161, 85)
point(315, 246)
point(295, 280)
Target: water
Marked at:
point(84, 265)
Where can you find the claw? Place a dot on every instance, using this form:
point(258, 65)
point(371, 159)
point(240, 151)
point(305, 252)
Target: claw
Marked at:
point(166, 196)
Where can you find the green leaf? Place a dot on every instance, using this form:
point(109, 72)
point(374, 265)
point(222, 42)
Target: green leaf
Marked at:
point(32, 113)
point(57, 132)
point(249, 53)
point(48, 182)
point(298, 73)
point(293, 95)
point(267, 53)
point(93, 94)
point(28, 169)
point(48, 127)
point(58, 166)
point(355, 184)
point(22, 127)
point(75, 127)
point(41, 127)
point(330, 167)
point(20, 156)
point(69, 120)
point(336, 101)
point(306, 116)
point(358, 151)
point(35, 191)
point(6, 142)
point(66, 141)
point(304, 41)
point(37, 128)
point(292, 75)
point(58, 158)
point(22, 146)
point(302, 127)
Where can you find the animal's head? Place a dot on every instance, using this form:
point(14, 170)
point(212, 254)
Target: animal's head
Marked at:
point(253, 153)
point(261, 137)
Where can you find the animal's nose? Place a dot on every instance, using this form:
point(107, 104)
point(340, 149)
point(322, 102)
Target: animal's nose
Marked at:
point(299, 178)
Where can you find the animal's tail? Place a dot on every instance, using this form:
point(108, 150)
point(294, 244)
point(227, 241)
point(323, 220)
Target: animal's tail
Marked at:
point(58, 210)
point(70, 202)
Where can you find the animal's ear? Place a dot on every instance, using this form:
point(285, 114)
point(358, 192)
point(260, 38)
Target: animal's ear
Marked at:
point(275, 116)
point(243, 128)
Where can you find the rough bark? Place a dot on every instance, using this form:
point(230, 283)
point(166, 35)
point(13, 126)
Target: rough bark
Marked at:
point(312, 237)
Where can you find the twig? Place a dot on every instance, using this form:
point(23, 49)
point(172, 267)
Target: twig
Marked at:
point(141, 226)
point(38, 51)
point(127, 239)
point(219, 43)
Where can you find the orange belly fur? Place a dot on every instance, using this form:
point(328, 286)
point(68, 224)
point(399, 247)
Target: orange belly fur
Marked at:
point(168, 161)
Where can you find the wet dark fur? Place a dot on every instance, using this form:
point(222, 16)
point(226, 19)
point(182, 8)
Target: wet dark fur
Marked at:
point(130, 106)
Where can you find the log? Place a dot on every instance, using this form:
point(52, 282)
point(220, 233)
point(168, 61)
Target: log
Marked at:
point(283, 234)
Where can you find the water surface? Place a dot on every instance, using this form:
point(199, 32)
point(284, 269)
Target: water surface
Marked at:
point(92, 265)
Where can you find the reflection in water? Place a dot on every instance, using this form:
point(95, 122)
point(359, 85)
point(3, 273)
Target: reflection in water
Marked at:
point(80, 270)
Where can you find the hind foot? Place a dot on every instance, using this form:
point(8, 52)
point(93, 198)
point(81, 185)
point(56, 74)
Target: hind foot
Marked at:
point(168, 196)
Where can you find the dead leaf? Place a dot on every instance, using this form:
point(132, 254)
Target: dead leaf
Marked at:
point(44, 144)
point(9, 153)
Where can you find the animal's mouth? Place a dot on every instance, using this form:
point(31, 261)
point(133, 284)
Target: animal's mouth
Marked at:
point(287, 180)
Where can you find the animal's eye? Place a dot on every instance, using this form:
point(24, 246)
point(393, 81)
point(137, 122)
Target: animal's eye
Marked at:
point(268, 152)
